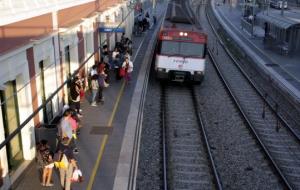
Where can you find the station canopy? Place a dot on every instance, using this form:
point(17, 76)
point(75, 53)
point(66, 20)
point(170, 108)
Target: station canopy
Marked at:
point(274, 17)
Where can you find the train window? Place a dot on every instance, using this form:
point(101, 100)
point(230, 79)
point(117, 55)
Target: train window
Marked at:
point(182, 48)
point(170, 47)
point(192, 49)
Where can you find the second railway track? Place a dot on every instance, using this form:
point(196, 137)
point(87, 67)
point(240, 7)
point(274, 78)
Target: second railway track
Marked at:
point(281, 146)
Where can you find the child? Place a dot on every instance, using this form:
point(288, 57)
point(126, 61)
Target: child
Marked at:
point(45, 160)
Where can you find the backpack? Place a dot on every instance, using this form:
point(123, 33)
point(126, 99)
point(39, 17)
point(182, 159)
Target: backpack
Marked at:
point(73, 92)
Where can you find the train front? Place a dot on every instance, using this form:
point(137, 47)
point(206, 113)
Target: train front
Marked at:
point(180, 55)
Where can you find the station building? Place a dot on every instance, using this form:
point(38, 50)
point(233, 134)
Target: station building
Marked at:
point(41, 44)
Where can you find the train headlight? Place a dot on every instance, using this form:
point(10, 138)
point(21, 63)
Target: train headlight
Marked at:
point(185, 34)
point(181, 33)
point(198, 73)
point(161, 69)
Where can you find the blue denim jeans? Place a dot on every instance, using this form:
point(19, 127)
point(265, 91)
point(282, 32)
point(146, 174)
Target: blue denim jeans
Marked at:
point(94, 95)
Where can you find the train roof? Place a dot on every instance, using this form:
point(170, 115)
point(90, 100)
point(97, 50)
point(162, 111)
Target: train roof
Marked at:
point(179, 15)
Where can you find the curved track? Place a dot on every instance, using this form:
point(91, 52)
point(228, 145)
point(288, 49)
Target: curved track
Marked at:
point(280, 144)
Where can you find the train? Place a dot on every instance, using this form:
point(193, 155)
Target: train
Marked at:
point(181, 46)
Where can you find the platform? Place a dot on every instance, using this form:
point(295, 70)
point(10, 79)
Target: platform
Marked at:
point(284, 69)
point(103, 127)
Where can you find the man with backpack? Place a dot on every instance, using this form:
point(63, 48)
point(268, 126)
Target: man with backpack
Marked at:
point(75, 95)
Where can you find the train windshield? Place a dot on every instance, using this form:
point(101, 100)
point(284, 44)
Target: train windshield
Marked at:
point(182, 48)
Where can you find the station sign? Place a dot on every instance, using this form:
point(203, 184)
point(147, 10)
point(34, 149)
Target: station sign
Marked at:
point(109, 30)
point(111, 27)
point(249, 4)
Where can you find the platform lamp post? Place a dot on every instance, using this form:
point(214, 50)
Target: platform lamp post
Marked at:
point(252, 20)
point(282, 7)
point(153, 7)
point(264, 6)
point(252, 5)
point(268, 6)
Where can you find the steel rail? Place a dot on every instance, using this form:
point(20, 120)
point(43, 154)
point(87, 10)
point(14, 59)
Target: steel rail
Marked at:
point(164, 136)
point(261, 94)
point(248, 122)
point(215, 174)
point(137, 135)
point(204, 134)
point(199, 120)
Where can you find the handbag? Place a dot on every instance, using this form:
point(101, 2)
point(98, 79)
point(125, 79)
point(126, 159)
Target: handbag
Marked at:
point(77, 176)
point(63, 163)
point(106, 84)
point(122, 72)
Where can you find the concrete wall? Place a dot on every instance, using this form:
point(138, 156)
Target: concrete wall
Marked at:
point(14, 66)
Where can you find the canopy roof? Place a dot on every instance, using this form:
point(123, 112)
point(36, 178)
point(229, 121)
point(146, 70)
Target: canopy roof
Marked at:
point(274, 17)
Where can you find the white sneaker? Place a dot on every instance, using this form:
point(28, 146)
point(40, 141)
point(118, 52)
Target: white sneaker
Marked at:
point(94, 104)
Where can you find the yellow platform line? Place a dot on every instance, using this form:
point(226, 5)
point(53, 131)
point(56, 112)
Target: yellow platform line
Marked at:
point(104, 140)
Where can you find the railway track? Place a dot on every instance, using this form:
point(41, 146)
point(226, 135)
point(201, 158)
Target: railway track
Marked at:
point(186, 156)
point(276, 138)
point(188, 162)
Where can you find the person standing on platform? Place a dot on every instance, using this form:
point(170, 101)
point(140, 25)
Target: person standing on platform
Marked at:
point(128, 67)
point(75, 95)
point(106, 61)
point(127, 54)
point(102, 84)
point(123, 38)
point(115, 53)
point(105, 50)
point(117, 65)
point(74, 125)
point(70, 165)
point(65, 129)
point(94, 85)
point(140, 19)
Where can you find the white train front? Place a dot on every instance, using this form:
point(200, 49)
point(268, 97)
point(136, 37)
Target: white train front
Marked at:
point(180, 55)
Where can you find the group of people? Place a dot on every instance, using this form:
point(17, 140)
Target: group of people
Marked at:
point(143, 21)
point(63, 158)
point(118, 62)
